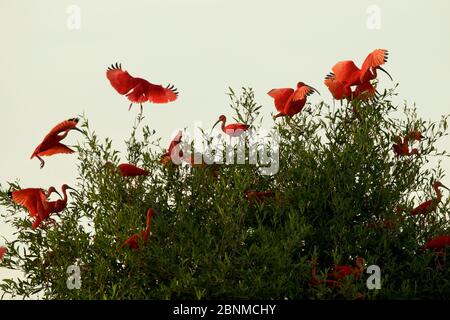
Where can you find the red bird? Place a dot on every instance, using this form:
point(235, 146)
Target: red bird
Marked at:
point(3, 251)
point(340, 272)
point(415, 135)
point(401, 148)
point(36, 201)
point(139, 90)
point(167, 156)
point(345, 74)
point(258, 196)
point(288, 101)
point(432, 204)
point(438, 243)
point(129, 170)
point(51, 144)
point(233, 129)
point(134, 241)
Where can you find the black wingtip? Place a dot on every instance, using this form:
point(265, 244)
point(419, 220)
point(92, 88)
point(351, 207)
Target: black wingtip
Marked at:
point(116, 66)
point(10, 194)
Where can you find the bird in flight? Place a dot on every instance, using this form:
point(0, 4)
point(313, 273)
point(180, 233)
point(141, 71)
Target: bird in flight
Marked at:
point(139, 90)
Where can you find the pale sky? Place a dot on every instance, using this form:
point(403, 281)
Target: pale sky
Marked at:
point(51, 72)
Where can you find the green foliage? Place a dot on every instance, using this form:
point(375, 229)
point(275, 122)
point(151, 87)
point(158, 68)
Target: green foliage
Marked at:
point(338, 178)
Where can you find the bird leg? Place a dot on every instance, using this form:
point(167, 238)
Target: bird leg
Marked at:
point(130, 106)
point(41, 160)
point(141, 108)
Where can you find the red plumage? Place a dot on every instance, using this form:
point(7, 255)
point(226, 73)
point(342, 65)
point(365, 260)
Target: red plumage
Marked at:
point(139, 90)
point(129, 170)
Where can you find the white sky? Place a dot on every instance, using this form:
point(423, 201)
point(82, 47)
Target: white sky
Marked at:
point(51, 73)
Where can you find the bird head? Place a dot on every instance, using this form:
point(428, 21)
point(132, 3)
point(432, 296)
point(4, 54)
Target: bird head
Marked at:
point(51, 190)
point(222, 118)
point(439, 184)
point(67, 187)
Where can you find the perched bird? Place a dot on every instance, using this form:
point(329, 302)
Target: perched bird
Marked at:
point(51, 144)
point(401, 148)
point(233, 129)
point(432, 204)
point(139, 90)
point(438, 243)
point(130, 170)
point(254, 196)
point(167, 156)
point(340, 272)
point(288, 101)
point(135, 240)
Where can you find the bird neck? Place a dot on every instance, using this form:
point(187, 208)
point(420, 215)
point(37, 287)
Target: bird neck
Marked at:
point(438, 193)
point(223, 125)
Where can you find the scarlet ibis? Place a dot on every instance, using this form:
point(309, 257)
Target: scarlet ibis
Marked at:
point(167, 156)
point(139, 90)
point(254, 196)
point(415, 135)
point(51, 144)
point(33, 199)
point(401, 148)
point(36, 201)
point(432, 204)
point(346, 74)
point(340, 272)
point(130, 170)
point(233, 129)
point(288, 101)
point(3, 251)
point(438, 243)
point(134, 241)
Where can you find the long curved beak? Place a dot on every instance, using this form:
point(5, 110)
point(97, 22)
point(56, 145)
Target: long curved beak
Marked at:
point(215, 124)
point(59, 194)
point(73, 190)
point(386, 73)
point(445, 187)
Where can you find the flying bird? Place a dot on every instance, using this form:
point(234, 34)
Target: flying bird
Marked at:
point(36, 201)
point(345, 75)
point(51, 144)
point(288, 101)
point(139, 90)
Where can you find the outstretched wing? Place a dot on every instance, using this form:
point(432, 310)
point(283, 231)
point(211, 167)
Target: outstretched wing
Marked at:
point(63, 126)
point(336, 88)
point(375, 59)
point(302, 92)
point(119, 79)
point(33, 199)
point(281, 97)
point(346, 72)
point(57, 148)
point(160, 94)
